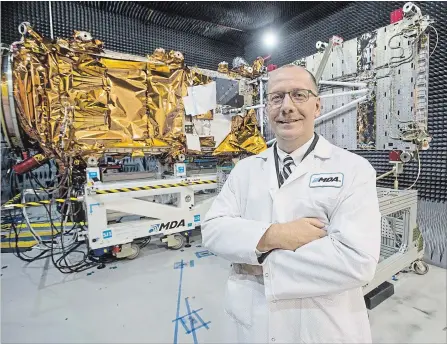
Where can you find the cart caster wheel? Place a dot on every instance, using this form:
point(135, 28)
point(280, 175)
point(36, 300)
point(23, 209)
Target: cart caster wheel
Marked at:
point(135, 251)
point(180, 242)
point(420, 267)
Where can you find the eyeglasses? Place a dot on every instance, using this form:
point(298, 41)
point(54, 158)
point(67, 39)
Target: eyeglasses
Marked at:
point(275, 99)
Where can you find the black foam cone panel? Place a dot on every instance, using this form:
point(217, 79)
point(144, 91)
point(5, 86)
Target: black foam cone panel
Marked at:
point(118, 31)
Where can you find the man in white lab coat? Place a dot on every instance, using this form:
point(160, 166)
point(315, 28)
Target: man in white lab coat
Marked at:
point(301, 224)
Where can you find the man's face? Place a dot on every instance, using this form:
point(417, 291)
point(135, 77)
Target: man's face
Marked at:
point(291, 120)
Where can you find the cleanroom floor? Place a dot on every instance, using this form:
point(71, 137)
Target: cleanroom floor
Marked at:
point(156, 299)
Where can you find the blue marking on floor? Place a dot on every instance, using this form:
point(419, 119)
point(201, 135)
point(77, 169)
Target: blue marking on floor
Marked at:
point(206, 253)
point(184, 325)
point(191, 319)
point(178, 302)
point(178, 265)
point(204, 324)
point(194, 318)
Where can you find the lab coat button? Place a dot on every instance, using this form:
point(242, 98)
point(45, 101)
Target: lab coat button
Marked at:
point(273, 339)
point(266, 275)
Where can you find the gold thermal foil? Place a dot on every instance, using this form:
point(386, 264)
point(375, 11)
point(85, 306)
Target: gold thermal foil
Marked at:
point(254, 144)
point(165, 103)
point(228, 145)
point(194, 78)
point(75, 101)
point(258, 66)
point(127, 105)
point(88, 96)
point(244, 71)
point(205, 116)
point(175, 60)
point(244, 136)
point(207, 141)
point(223, 67)
point(160, 55)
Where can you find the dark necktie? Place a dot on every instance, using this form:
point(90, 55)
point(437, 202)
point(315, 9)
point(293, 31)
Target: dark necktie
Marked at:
point(289, 165)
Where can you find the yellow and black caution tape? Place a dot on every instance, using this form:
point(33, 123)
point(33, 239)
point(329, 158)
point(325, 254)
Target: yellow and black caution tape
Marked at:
point(26, 239)
point(20, 244)
point(40, 226)
point(9, 205)
point(27, 234)
point(14, 199)
point(38, 203)
point(154, 187)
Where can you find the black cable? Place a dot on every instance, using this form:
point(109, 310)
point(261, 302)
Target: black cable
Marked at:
point(57, 263)
point(87, 262)
point(68, 268)
point(61, 263)
point(48, 194)
point(144, 242)
point(12, 214)
point(17, 251)
point(58, 187)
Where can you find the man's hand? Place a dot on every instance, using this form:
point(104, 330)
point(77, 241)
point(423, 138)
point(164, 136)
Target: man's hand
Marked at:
point(291, 235)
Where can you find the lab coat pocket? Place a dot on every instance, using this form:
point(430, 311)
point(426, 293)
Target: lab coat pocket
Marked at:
point(239, 299)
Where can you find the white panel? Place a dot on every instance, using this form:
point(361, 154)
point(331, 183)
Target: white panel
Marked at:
point(313, 61)
point(340, 130)
point(401, 92)
point(396, 93)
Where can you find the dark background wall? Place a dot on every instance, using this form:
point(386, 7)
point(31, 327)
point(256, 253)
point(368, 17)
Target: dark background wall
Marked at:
point(126, 29)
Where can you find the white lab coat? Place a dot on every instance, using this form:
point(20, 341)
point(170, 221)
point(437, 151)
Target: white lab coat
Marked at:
point(314, 294)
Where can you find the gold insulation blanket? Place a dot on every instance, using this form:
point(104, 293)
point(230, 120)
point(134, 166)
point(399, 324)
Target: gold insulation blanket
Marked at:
point(75, 102)
point(244, 136)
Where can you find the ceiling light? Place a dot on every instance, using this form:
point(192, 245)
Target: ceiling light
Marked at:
point(269, 39)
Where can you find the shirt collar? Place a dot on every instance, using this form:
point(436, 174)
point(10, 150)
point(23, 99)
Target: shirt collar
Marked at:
point(322, 150)
point(297, 154)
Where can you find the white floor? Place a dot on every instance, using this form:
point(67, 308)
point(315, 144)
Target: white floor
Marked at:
point(138, 301)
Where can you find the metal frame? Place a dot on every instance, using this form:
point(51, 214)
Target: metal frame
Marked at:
point(149, 204)
point(394, 109)
point(335, 40)
point(390, 105)
point(12, 102)
point(338, 111)
point(398, 248)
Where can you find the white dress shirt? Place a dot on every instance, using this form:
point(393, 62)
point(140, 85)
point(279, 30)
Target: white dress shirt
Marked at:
point(297, 155)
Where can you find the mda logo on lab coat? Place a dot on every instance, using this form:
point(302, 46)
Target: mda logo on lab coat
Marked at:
point(334, 180)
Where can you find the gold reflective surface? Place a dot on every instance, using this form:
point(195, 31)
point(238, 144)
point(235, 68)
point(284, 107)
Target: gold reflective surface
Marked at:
point(244, 136)
point(75, 102)
point(223, 67)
